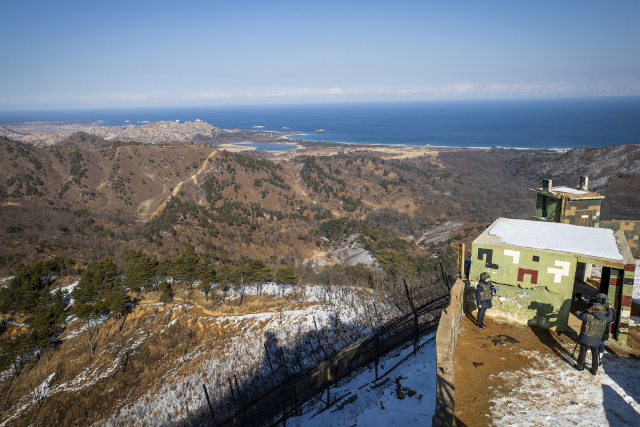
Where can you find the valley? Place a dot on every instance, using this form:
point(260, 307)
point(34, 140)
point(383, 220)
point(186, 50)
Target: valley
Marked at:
point(134, 272)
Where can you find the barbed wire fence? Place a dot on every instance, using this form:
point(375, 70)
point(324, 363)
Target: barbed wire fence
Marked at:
point(281, 387)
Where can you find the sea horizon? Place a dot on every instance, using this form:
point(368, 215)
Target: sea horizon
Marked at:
point(558, 123)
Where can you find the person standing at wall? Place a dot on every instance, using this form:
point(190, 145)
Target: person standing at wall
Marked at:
point(484, 292)
point(612, 314)
point(594, 323)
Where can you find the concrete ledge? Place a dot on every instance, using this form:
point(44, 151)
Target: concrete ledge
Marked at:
point(446, 339)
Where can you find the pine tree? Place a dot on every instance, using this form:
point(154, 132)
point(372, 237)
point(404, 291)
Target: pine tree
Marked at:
point(100, 290)
point(259, 272)
point(166, 294)
point(29, 294)
point(208, 277)
point(225, 275)
point(187, 265)
point(286, 276)
point(50, 313)
point(140, 270)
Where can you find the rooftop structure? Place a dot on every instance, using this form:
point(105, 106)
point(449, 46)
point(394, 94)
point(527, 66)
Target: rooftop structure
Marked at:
point(568, 205)
point(533, 265)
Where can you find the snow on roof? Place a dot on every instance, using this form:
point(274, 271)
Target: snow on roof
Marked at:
point(568, 190)
point(595, 242)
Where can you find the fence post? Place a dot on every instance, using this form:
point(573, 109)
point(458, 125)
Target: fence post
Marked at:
point(233, 396)
point(461, 249)
point(377, 357)
point(244, 407)
point(415, 326)
point(210, 407)
point(284, 407)
point(444, 278)
point(269, 360)
point(284, 366)
point(328, 385)
point(415, 315)
point(318, 337)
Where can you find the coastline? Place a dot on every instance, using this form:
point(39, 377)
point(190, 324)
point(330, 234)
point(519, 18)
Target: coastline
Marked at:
point(559, 150)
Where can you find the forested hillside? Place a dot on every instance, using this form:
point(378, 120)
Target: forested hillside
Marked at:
point(127, 255)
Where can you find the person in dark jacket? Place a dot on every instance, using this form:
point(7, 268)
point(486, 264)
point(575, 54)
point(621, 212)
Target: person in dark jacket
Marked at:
point(484, 292)
point(594, 323)
point(605, 337)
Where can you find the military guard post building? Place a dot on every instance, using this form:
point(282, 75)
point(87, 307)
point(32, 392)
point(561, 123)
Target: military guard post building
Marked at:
point(533, 265)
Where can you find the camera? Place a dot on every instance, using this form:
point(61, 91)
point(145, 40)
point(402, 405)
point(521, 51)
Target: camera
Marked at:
point(590, 299)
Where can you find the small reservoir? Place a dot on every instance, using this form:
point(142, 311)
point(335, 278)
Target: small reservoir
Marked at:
point(265, 146)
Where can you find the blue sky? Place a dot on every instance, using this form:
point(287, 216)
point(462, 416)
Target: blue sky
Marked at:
point(79, 54)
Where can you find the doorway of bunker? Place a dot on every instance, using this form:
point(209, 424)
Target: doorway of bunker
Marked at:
point(589, 281)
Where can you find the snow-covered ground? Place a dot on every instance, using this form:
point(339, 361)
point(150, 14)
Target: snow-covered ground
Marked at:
point(349, 252)
point(231, 344)
point(438, 233)
point(553, 393)
point(338, 311)
point(363, 402)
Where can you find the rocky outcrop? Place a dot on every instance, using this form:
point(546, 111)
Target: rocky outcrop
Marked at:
point(156, 133)
point(9, 133)
point(43, 139)
point(599, 163)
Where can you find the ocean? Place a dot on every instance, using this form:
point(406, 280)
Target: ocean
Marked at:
point(530, 123)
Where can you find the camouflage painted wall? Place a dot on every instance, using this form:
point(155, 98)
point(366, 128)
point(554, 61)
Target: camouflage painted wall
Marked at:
point(577, 205)
point(533, 286)
point(553, 207)
point(631, 230)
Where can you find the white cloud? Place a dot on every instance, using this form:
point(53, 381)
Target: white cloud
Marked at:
point(335, 91)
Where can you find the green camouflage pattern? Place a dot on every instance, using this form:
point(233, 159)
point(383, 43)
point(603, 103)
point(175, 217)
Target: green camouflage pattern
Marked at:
point(631, 230)
point(572, 206)
point(485, 291)
point(542, 296)
point(593, 327)
point(554, 213)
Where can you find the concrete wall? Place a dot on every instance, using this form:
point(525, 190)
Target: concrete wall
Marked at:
point(446, 339)
point(631, 230)
point(534, 287)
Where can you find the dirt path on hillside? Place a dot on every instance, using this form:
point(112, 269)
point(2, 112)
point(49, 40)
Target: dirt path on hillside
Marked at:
point(204, 168)
point(485, 357)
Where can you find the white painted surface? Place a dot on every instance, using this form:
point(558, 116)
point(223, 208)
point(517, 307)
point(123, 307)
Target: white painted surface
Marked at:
point(595, 242)
point(514, 254)
point(567, 190)
point(558, 273)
